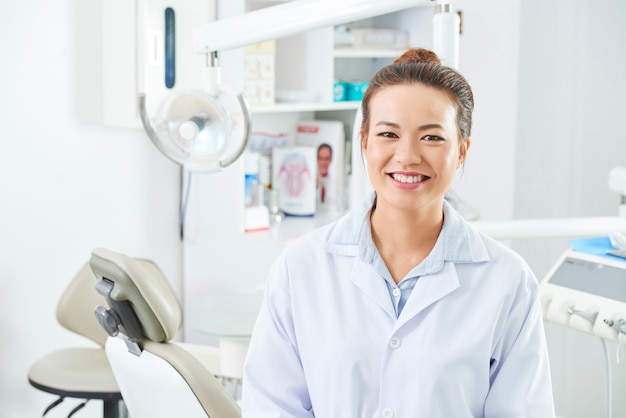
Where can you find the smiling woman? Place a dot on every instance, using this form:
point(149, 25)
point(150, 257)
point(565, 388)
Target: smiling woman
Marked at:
point(420, 117)
point(390, 281)
point(414, 145)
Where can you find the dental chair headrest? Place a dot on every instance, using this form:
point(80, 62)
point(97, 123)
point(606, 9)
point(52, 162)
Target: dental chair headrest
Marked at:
point(142, 303)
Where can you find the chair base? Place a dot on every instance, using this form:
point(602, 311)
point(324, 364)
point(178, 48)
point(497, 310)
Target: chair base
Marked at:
point(112, 401)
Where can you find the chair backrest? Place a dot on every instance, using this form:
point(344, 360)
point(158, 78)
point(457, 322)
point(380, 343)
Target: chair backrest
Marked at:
point(156, 377)
point(75, 307)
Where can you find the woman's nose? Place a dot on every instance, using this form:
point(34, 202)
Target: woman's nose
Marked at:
point(408, 151)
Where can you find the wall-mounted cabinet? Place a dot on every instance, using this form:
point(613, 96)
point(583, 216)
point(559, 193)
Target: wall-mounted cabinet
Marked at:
point(308, 64)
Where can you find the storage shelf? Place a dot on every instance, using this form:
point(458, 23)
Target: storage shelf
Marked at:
point(280, 233)
point(306, 107)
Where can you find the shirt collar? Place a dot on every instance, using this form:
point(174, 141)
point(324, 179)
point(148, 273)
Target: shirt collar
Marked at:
point(458, 241)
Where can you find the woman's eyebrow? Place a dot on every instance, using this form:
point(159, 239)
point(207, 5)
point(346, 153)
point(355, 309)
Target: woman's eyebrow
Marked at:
point(422, 128)
point(385, 123)
point(431, 126)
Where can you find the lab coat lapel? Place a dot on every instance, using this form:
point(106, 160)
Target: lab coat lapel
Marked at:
point(367, 279)
point(428, 290)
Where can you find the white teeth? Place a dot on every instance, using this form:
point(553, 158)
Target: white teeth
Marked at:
point(408, 179)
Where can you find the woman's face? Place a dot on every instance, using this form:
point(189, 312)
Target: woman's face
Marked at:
point(412, 147)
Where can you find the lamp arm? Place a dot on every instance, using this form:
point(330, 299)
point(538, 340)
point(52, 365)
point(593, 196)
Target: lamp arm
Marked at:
point(295, 17)
point(551, 227)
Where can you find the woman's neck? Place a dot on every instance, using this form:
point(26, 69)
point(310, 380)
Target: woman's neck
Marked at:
point(405, 237)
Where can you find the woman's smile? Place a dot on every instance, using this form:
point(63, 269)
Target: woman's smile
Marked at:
point(408, 179)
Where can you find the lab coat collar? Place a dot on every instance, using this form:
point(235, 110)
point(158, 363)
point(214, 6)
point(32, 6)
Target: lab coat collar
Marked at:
point(460, 242)
point(428, 290)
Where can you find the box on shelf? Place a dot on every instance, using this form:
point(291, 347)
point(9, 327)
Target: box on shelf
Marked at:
point(327, 137)
point(294, 170)
point(258, 73)
point(256, 213)
point(372, 38)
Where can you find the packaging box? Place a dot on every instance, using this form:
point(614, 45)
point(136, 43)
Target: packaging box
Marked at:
point(258, 73)
point(328, 139)
point(379, 38)
point(294, 172)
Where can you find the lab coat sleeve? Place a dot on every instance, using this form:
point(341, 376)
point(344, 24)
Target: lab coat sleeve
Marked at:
point(273, 382)
point(521, 385)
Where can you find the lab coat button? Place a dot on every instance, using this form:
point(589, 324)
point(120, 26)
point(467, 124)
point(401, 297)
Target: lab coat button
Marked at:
point(387, 413)
point(394, 342)
point(396, 292)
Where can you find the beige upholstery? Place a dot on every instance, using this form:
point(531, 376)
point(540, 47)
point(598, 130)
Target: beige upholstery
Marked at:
point(75, 370)
point(150, 375)
point(79, 372)
point(142, 283)
point(75, 308)
point(215, 400)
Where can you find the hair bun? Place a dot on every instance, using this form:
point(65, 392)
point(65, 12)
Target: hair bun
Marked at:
point(416, 55)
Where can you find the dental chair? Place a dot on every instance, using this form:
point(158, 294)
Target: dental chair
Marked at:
point(157, 377)
point(80, 372)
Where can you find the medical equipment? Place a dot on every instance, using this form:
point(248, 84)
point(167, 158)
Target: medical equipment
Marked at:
point(302, 15)
point(81, 373)
point(586, 289)
point(195, 128)
point(587, 292)
point(142, 316)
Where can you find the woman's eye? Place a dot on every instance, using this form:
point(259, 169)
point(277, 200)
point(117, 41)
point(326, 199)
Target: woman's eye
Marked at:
point(432, 138)
point(388, 135)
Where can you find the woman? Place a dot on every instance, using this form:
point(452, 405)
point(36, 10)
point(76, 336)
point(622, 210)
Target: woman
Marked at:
point(400, 308)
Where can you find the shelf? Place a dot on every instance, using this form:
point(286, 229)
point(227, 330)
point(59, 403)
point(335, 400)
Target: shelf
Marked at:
point(306, 107)
point(290, 228)
point(366, 53)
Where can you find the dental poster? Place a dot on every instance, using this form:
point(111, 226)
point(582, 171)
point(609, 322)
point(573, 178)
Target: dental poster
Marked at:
point(294, 177)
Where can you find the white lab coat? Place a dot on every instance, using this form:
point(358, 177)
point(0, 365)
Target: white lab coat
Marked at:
point(468, 343)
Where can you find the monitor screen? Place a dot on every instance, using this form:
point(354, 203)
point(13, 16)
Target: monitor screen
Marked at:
point(591, 277)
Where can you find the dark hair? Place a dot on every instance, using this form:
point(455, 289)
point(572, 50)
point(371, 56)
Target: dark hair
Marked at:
point(325, 145)
point(419, 65)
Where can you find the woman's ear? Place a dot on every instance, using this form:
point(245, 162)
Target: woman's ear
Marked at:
point(463, 148)
point(363, 137)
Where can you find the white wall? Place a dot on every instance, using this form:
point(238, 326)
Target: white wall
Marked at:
point(570, 134)
point(67, 185)
point(489, 61)
point(549, 84)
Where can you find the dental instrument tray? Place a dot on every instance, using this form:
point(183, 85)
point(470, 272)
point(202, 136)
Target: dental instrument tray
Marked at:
point(587, 292)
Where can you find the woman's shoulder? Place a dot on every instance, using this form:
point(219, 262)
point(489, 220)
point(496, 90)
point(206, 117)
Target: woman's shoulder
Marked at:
point(318, 237)
point(466, 241)
point(500, 252)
